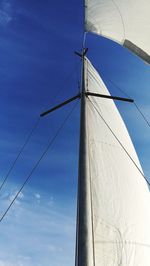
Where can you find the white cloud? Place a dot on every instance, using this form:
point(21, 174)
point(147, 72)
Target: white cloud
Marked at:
point(39, 231)
point(5, 12)
point(51, 201)
point(5, 263)
point(21, 195)
point(6, 5)
point(37, 196)
point(7, 197)
point(20, 261)
point(4, 17)
point(53, 248)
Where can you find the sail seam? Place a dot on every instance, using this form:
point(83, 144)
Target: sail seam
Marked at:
point(125, 242)
point(119, 11)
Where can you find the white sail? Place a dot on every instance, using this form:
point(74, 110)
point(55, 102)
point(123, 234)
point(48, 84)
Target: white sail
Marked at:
point(126, 22)
point(119, 204)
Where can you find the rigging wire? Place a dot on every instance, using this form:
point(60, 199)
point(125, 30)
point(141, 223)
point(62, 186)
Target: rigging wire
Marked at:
point(67, 79)
point(115, 85)
point(84, 40)
point(38, 162)
point(139, 110)
point(5, 178)
point(135, 104)
point(19, 153)
point(146, 179)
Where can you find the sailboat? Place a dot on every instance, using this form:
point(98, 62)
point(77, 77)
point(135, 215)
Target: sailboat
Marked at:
point(113, 213)
point(113, 203)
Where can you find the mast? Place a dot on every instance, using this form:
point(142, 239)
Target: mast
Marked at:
point(84, 243)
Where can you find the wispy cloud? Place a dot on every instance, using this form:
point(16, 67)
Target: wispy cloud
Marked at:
point(20, 261)
point(5, 12)
point(39, 225)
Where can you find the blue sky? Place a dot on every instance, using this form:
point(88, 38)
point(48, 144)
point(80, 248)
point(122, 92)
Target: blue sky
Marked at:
point(38, 69)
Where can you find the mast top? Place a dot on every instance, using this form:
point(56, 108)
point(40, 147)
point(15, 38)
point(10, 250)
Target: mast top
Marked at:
point(84, 52)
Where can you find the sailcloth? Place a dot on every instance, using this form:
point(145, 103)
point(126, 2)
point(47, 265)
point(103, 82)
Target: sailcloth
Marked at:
point(125, 21)
point(119, 197)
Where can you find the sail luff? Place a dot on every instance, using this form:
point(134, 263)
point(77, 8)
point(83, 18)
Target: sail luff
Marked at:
point(119, 194)
point(84, 245)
